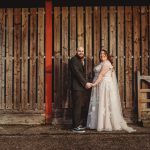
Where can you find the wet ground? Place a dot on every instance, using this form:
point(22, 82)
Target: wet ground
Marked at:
point(58, 138)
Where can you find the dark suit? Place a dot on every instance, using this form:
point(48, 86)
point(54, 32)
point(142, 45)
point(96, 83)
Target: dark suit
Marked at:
point(79, 92)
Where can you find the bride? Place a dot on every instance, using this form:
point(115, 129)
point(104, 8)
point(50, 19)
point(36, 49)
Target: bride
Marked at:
point(105, 111)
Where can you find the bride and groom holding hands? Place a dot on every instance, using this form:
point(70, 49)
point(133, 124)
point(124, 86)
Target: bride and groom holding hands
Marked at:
point(103, 112)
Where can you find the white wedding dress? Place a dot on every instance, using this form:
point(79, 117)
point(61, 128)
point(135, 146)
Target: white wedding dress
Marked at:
point(105, 111)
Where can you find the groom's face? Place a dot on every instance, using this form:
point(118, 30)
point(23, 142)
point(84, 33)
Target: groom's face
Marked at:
point(80, 52)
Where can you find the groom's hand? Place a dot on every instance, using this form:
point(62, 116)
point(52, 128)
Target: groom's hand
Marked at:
point(88, 85)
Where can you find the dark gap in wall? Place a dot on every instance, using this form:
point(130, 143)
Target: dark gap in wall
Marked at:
point(124, 58)
point(100, 2)
point(61, 63)
point(37, 56)
point(52, 56)
point(28, 55)
point(13, 62)
point(116, 10)
point(21, 59)
point(5, 59)
point(22, 3)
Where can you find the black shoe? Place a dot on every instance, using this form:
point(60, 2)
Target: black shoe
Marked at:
point(78, 130)
point(81, 127)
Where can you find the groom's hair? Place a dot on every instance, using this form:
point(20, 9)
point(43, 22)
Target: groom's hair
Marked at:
point(79, 48)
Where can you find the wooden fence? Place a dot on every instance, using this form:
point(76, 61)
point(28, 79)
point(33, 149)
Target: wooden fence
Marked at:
point(143, 100)
point(123, 30)
point(22, 58)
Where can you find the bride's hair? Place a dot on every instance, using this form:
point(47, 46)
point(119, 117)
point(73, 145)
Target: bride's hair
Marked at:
point(109, 57)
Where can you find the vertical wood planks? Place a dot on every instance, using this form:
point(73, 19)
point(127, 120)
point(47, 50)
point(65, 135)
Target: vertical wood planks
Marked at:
point(2, 58)
point(144, 45)
point(40, 98)
point(121, 53)
point(88, 31)
point(57, 89)
point(80, 26)
point(136, 44)
point(96, 34)
point(144, 39)
point(73, 41)
point(15, 43)
point(72, 31)
point(149, 39)
point(17, 50)
point(128, 50)
point(112, 33)
point(104, 18)
point(24, 43)
point(32, 92)
point(9, 53)
point(65, 57)
point(25, 39)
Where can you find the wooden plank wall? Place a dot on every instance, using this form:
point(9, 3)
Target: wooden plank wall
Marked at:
point(123, 30)
point(22, 60)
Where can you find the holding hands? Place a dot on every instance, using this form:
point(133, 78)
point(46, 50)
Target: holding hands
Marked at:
point(89, 85)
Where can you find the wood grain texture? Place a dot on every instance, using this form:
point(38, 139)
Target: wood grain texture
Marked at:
point(80, 26)
point(104, 17)
point(32, 91)
point(88, 24)
point(65, 96)
point(9, 53)
point(40, 97)
point(17, 50)
point(144, 39)
point(2, 58)
point(112, 16)
point(128, 51)
point(144, 46)
point(136, 44)
point(57, 98)
point(121, 54)
point(24, 83)
point(96, 34)
point(73, 31)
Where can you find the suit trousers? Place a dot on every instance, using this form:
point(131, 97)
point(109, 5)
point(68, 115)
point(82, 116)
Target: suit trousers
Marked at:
point(80, 105)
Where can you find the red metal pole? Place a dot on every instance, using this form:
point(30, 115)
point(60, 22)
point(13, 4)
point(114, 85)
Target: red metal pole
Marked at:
point(48, 61)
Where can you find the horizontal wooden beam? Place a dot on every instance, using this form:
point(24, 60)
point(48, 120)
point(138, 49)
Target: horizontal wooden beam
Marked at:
point(144, 90)
point(146, 109)
point(142, 100)
point(26, 119)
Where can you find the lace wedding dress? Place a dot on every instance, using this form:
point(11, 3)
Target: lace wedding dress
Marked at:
point(105, 111)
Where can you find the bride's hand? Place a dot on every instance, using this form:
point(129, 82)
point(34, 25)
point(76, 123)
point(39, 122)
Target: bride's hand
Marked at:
point(92, 84)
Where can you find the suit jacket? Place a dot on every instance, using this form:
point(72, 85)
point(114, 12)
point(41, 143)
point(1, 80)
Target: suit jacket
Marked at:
point(78, 74)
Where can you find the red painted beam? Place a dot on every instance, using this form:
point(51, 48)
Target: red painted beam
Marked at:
point(48, 61)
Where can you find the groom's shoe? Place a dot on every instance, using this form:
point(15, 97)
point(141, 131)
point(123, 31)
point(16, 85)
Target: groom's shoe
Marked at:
point(78, 129)
point(81, 127)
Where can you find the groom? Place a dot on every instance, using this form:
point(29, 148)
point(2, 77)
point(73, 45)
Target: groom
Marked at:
point(79, 89)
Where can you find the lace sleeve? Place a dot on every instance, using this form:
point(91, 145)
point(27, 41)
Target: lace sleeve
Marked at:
point(105, 68)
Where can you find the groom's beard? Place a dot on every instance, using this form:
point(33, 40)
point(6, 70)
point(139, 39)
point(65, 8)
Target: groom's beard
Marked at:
point(80, 57)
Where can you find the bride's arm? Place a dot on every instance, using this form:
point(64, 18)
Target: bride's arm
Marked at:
point(104, 70)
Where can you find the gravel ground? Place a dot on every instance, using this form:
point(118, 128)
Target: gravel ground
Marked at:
point(57, 138)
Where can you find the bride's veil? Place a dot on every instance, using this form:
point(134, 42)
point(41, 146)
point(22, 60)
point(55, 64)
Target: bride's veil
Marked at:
point(119, 113)
point(116, 92)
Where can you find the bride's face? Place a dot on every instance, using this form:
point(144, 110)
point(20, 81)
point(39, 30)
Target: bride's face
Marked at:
point(103, 56)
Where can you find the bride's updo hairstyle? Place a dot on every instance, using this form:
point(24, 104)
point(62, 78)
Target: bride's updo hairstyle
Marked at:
point(109, 57)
